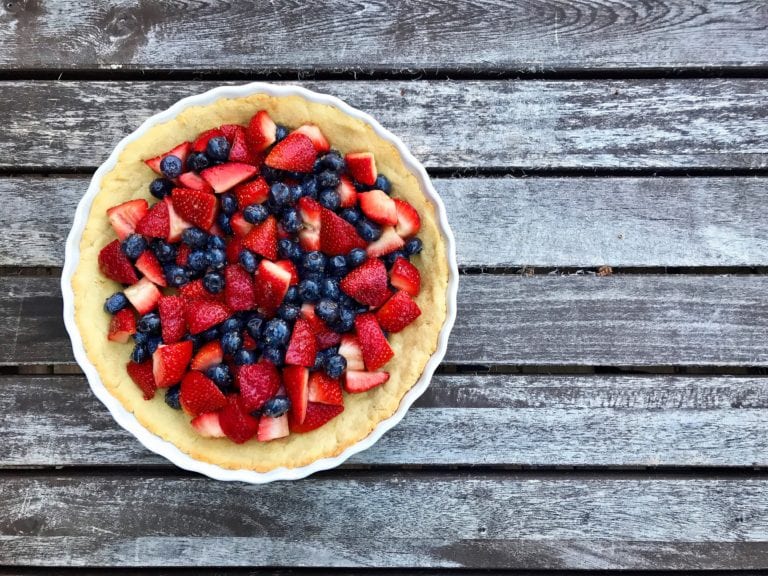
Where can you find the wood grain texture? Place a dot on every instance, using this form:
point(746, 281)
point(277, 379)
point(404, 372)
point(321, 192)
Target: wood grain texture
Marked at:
point(419, 520)
point(491, 420)
point(526, 35)
point(708, 123)
point(544, 320)
point(545, 222)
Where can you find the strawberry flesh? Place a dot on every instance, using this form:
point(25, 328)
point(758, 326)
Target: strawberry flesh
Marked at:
point(362, 167)
point(142, 376)
point(367, 283)
point(408, 220)
point(378, 207)
point(356, 381)
point(302, 347)
point(199, 394)
point(115, 265)
point(337, 236)
point(209, 355)
point(122, 326)
point(195, 206)
point(324, 389)
point(156, 223)
point(149, 266)
point(228, 175)
point(376, 350)
point(144, 295)
point(319, 141)
point(203, 314)
point(208, 425)
point(272, 428)
point(173, 326)
point(317, 415)
point(170, 361)
point(236, 422)
point(405, 276)
point(261, 131)
point(296, 382)
point(257, 383)
point(124, 217)
point(294, 153)
point(398, 312)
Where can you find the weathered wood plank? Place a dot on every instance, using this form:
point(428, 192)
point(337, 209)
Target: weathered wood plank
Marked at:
point(490, 124)
point(532, 421)
point(543, 320)
point(533, 221)
point(525, 35)
point(420, 520)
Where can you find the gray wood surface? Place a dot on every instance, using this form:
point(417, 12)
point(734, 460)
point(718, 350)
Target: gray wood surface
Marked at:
point(489, 420)
point(396, 520)
point(700, 123)
point(546, 222)
point(473, 35)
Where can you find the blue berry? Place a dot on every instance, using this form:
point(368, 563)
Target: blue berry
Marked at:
point(160, 188)
point(356, 257)
point(292, 296)
point(269, 174)
point(332, 161)
point(337, 266)
point(276, 407)
point(140, 353)
point(196, 340)
point(217, 148)
point(255, 213)
point(171, 167)
point(288, 312)
point(231, 342)
point(231, 324)
point(276, 332)
point(327, 179)
point(172, 397)
point(228, 204)
point(164, 252)
point(274, 354)
point(288, 249)
point(329, 198)
point(323, 355)
point(368, 230)
point(175, 275)
point(309, 187)
point(390, 258)
point(153, 343)
point(197, 260)
point(213, 282)
point(412, 247)
point(197, 161)
point(279, 194)
point(248, 261)
point(220, 375)
point(215, 242)
point(327, 310)
point(149, 324)
point(217, 259)
point(317, 166)
point(291, 220)
point(382, 183)
point(194, 237)
point(140, 338)
point(254, 326)
point(351, 215)
point(346, 320)
point(313, 261)
point(295, 193)
point(309, 290)
point(243, 357)
point(280, 132)
point(115, 303)
point(223, 221)
point(210, 334)
point(335, 366)
point(329, 288)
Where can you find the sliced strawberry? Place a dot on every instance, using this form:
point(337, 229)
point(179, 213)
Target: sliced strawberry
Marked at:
point(324, 336)
point(238, 288)
point(378, 207)
point(389, 241)
point(271, 283)
point(234, 247)
point(347, 193)
point(142, 376)
point(149, 266)
point(319, 141)
point(122, 325)
point(227, 175)
point(209, 355)
point(405, 276)
point(248, 342)
point(289, 267)
point(257, 383)
point(240, 226)
point(194, 181)
point(337, 236)
point(272, 428)
point(156, 222)
point(263, 239)
point(294, 153)
point(125, 216)
point(194, 206)
point(204, 314)
point(261, 131)
point(144, 295)
point(317, 415)
point(172, 323)
point(182, 254)
point(208, 425)
point(373, 343)
point(398, 312)
point(240, 151)
point(253, 192)
point(408, 220)
point(115, 265)
point(302, 348)
point(367, 283)
point(229, 131)
point(362, 167)
point(201, 142)
point(176, 222)
point(324, 389)
point(356, 381)
point(199, 394)
point(296, 382)
point(236, 422)
point(170, 361)
point(309, 235)
point(350, 349)
point(181, 151)
point(196, 291)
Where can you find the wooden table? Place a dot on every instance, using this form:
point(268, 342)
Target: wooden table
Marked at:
point(580, 420)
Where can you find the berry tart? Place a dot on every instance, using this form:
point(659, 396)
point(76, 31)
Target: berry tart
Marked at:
point(261, 280)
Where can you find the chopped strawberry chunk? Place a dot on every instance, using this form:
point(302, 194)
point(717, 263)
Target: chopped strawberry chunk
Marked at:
point(115, 265)
point(124, 217)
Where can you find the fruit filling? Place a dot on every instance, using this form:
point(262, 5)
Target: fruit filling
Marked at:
point(260, 287)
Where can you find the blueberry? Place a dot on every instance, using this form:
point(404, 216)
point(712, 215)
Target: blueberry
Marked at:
point(197, 161)
point(351, 215)
point(292, 296)
point(295, 193)
point(220, 375)
point(329, 198)
point(175, 275)
point(317, 166)
point(382, 183)
point(210, 334)
point(215, 242)
point(288, 312)
point(335, 366)
point(279, 194)
point(327, 179)
point(153, 343)
point(323, 355)
point(228, 204)
point(248, 261)
point(213, 282)
point(337, 266)
point(362, 187)
point(309, 187)
point(217, 259)
point(327, 310)
point(412, 247)
point(164, 252)
point(255, 213)
point(197, 260)
point(347, 301)
point(140, 353)
point(333, 161)
point(276, 332)
point(172, 397)
point(313, 261)
point(140, 338)
point(269, 174)
point(329, 288)
point(291, 221)
point(115, 303)
point(309, 290)
point(356, 257)
point(223, 221)
point(346, 320)
point(231, 342)
point(149, 324)
point(288, 249)
point(217, 148)
point(280, 132)
point(274, 354)
point(368, 230)
point(171, 167)
point(160, 188)
point(194, 237)
point(390, 258)
point(254, 327)
point(196, 340)
point(231, 324)
point(276, 407)
point(243, 357)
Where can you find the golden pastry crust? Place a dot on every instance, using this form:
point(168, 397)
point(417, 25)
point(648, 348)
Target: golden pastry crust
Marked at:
point(362, 412)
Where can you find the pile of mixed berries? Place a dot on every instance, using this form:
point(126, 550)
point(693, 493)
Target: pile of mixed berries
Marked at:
point(263, 280)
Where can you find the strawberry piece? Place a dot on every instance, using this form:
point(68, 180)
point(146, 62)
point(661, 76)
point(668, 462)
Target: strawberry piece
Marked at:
point(294, 153)
point(195, 182)
point(337, 236)
point(194, 206)
point(240, 226)
point(182, 254)
point(115, 265)
point(227, 175)
point(238, 288)
point(405, 276)
point(156, 222)
point(319, 141)
point(289, 267)
point(309, 235)
point(196, 291)
point(170, 361)
point(142, 376)
point(199, 394)
point(356, 381)
point(324, 389)
point(302, 347)
point(208, 425)
point(324, 336)
point(172, 323)
point(177, 224)
point(398, 312)
point(229, 131)
point(362, 167)
point(125, 216)
point(253, 192)
point(209, 355)
point(248, 342)
point(378, 207)
point(350, 349)
point(261, 131)
point(257, 383)
point(236, 422)
point(367, 283)
point(408, 220)
point(271, 283)
point(272, 428)
point(388, 242)
point(204, 314)
point(143, 295)
point(150, 267)
point(347, 193)
point(122, 325)
point(181, 151)
point(373, 343)
point(263, 239)
point(240, 151)
point(234, 247)
point(296, 382)
point(317, 415)
point(201, 142)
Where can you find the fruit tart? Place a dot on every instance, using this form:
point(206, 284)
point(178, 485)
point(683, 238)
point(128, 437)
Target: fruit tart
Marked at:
point(261, 280)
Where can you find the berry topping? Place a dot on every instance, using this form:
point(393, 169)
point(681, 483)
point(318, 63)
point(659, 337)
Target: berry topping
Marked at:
point(408, 221)
point(195, 206)
point(199, 394)
point(325, 390)
point(204, 314)
point(115, 303)
point(362, 167)
point(398, 312)
point(271, 283)
point(236, 422)
point(373, 343)
point(295, 153)
point(172, 322)
point(350, 350)
point(142, 375)
point(150, 267)
point(122, 326)
point(337, 236)
point(208, 425)
point(201, 142)
point(210, 354)
point(238, 288)
point(114, 264)
point(253, 192)
point(302, 347)
point(405, 276)
point(261, 131)
point(296, 382)
point(194, 181)
point(389, 241)
point(368, 283)
point(378, 207)
point(315, 135)
point(262, 239)
point(125, 216)
point(317, 414)
point(143, 296)
point(169, 363)
point(347, 193)
point(257, 383)
point(271, 428)
point(179, 153)
point(357, 381)
point(226, 176)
